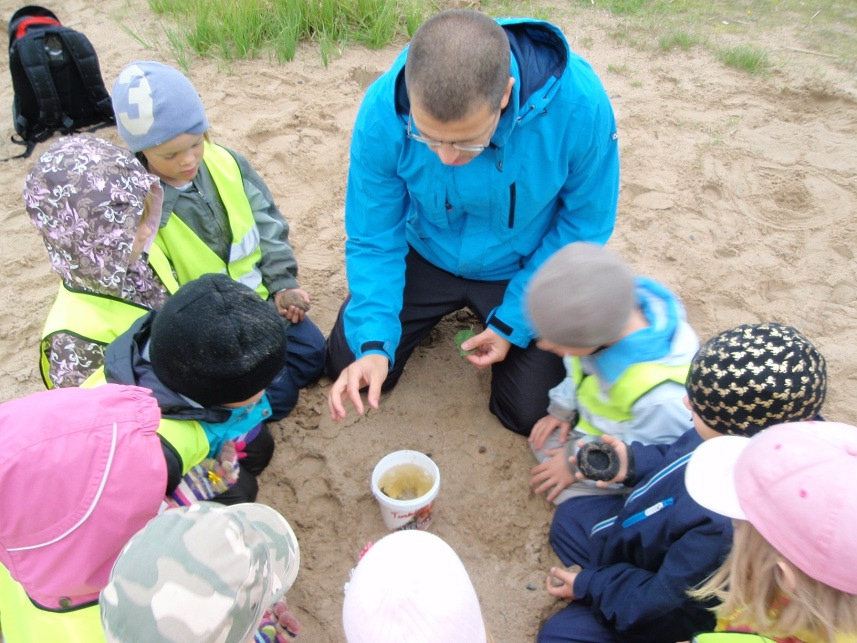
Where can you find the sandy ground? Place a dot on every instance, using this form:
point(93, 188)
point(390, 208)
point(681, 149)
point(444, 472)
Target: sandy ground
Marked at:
point(737, 191)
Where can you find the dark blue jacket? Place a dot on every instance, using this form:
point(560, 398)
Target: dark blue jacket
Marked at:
point(125, 362)
point(662, 543)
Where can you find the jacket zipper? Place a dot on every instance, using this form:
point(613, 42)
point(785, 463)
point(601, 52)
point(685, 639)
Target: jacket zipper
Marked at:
point(512, 193)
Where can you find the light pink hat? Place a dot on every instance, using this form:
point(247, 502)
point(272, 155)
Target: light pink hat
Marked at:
point(795, 483)
point(81, 471)
point(411, 586)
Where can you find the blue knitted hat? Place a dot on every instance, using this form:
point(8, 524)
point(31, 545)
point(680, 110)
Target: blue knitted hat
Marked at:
point(154, 103)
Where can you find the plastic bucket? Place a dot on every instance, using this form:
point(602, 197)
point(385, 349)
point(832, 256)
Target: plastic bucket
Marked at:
point(406, 514)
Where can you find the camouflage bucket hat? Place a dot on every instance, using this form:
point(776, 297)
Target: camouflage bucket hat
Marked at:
point(202, 573)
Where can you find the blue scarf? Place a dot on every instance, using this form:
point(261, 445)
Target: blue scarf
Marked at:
point(241, 421)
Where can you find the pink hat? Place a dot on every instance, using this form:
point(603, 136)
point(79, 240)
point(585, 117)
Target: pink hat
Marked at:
point(81, 471)
point(795, 483)
point(411, 586)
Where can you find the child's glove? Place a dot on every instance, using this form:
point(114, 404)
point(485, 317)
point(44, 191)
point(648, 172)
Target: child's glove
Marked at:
point(277, 623)
point(209, 478)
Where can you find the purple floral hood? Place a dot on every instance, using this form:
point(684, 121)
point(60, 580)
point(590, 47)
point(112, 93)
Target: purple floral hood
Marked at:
point(86, 196)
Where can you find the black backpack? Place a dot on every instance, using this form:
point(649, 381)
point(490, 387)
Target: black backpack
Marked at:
point(55, 77)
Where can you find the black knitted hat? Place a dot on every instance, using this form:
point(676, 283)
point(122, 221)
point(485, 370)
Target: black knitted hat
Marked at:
point(754, 376)
point(216, 341)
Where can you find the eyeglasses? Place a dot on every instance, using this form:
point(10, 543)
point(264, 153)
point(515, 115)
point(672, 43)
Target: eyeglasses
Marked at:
point(461, 147)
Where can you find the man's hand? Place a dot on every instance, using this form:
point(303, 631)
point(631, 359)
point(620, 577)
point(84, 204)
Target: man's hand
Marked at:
point(560, 582)
point(621, 451)
point(293, 304)
point(551, 473)
point(544, 427)
point(370, 370)
point(489, 346)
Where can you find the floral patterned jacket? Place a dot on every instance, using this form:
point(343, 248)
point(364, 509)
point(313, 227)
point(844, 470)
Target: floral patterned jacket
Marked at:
point(86, 198)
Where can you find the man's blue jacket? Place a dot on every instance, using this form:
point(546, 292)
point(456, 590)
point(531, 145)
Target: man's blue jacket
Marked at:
point(549, 177)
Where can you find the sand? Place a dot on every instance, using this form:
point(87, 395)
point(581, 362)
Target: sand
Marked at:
point(738, 191)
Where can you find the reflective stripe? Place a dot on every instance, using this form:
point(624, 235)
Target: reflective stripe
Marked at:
point(191, 257)
point(246, 246)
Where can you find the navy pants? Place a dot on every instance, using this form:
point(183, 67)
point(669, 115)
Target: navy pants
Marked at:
point(519, 384)
point(569, 536)
point(304, 362)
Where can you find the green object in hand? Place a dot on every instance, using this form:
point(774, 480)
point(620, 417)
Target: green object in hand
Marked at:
point(461, 337)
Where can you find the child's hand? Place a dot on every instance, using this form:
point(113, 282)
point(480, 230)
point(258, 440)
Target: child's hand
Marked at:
point(560, 582)
point(552, 474)
point(544, 427)
point(278, 624)
point(621, 450)
point(292, 304)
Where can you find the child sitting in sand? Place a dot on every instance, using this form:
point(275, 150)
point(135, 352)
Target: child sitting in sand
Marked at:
point(207, 356)
point(411, 586)
point(205, 574)
point(217, 215)
point(97, 209)
point(626, 347)
point(636, 561)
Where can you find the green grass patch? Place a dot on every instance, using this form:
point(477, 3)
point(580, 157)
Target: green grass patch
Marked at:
point(728, 29)
point(236, 29)
point(745, 58)
point(678, 40)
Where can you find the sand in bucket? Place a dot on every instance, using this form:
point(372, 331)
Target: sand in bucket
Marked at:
point(406, 483)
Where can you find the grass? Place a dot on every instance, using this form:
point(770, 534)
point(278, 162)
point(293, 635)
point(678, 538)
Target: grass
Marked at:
point(727, 28)
point(234, 29)
point(744, 57)
point(237, 29)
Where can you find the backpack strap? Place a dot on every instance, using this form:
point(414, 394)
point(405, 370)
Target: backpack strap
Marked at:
point(34, 60)
point(86, 61)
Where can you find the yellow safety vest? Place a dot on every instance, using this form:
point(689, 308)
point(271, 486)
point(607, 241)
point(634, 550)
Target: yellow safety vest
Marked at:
point(634, 383)
point(96, 318)
point(22, 622)
point(187, 437)
point(191, 257)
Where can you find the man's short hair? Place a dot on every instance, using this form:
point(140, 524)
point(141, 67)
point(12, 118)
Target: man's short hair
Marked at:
point(458, 61)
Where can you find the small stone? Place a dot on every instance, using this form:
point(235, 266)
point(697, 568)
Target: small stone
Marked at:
point(531, 587)
point(482, 449)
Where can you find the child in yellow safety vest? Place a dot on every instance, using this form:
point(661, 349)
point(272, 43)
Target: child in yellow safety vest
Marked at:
point(626, 346)
point(97, 210)
point(217, 215)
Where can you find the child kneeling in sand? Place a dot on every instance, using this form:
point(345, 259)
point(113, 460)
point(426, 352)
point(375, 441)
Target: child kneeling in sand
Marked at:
point(626, 347)
point(637, 562)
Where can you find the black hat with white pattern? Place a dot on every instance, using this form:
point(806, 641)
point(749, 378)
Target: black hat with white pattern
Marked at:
point(754, 376)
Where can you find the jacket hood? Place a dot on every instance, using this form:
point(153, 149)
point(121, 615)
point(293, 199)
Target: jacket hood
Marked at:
point(81, 470)
point(126, 361)
point(86, 196)
point(539, 56)
point(668, 339)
